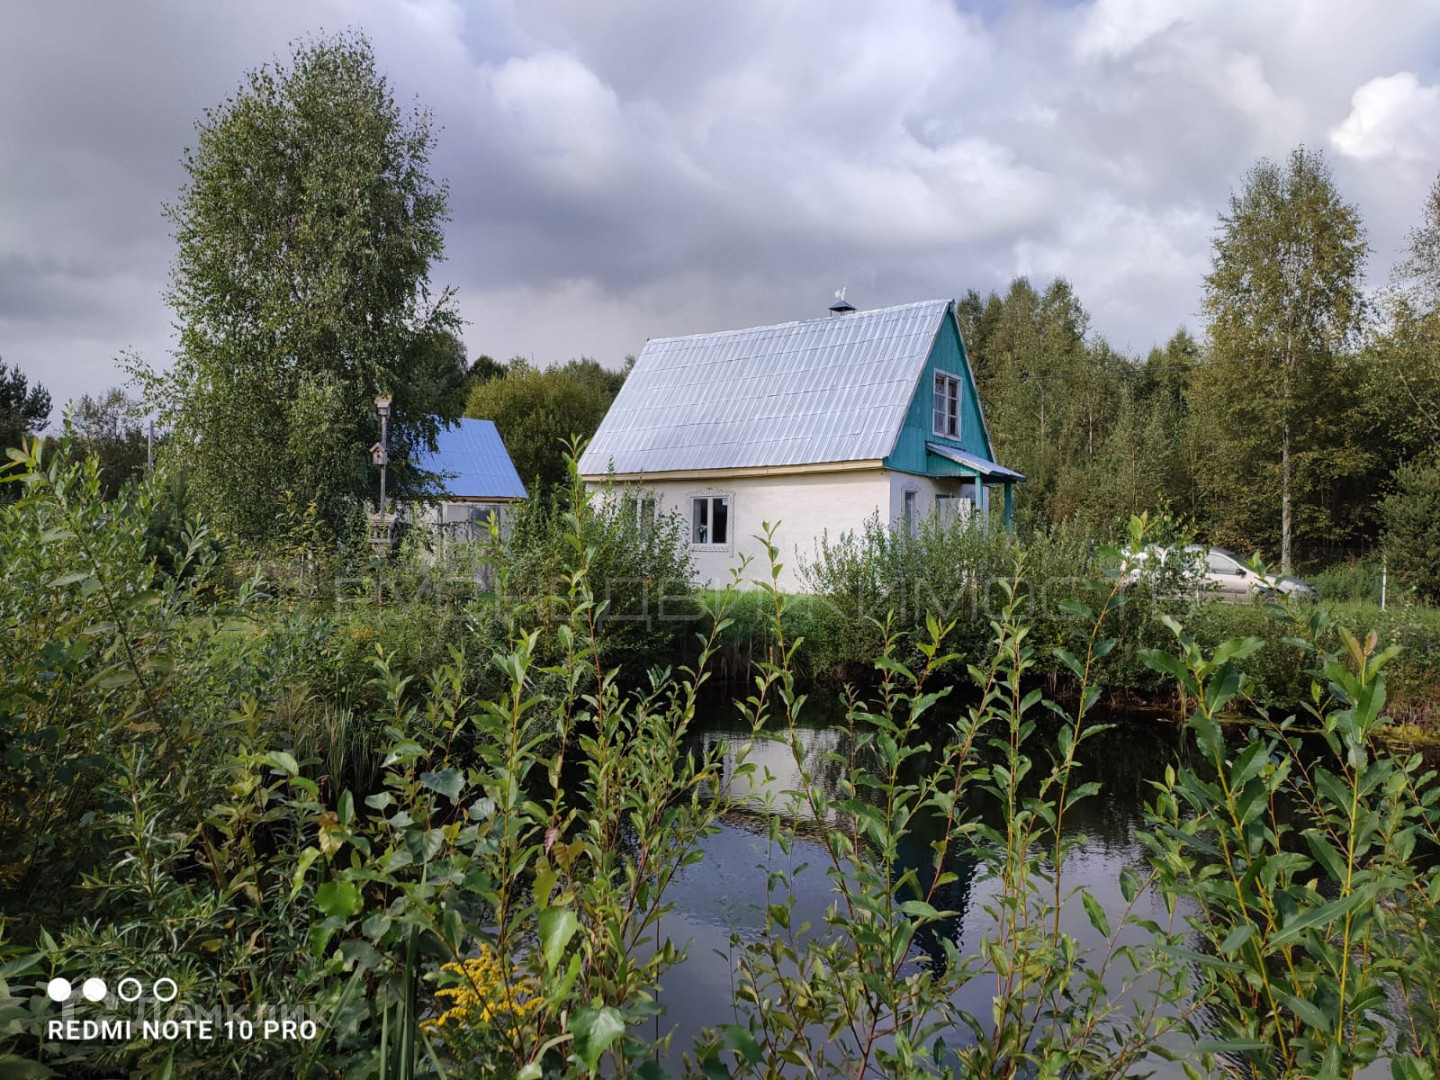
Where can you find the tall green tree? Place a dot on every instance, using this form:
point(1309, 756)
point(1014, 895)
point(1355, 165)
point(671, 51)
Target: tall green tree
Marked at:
point(111, 427)
point(1412, 525)
point(301, 287)
point(537, 411)
point(1276, 398)
point(1052, 393)
point(1137, 455)
point(24, 409)
point(1419, 272)
point(1402, 390)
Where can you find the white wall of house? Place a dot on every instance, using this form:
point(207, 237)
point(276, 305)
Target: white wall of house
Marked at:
point(805, 505)
point(926, 491)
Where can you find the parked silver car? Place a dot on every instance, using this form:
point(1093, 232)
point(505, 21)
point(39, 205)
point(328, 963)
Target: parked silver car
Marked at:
point(1211, 573)
point(1227, 578)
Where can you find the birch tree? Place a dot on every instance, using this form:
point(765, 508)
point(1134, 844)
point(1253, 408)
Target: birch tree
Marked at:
point(1284, 305)
point(305, 236)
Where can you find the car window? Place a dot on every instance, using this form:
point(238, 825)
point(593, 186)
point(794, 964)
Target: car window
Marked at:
point(1221, 564)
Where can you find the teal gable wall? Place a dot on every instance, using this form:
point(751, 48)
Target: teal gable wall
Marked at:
point(948, 355)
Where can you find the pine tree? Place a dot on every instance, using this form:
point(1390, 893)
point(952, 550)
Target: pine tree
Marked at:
point(23, 408)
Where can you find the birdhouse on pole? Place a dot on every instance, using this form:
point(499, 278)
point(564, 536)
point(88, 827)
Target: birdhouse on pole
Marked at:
point(379, 455)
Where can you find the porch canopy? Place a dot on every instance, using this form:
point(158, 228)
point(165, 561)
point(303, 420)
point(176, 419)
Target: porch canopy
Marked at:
point(945, 460)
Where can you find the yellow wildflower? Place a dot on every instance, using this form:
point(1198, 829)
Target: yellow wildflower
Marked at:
point(483, 997)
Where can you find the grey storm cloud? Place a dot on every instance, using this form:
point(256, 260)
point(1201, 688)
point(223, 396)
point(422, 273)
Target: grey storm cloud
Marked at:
point(625, 170)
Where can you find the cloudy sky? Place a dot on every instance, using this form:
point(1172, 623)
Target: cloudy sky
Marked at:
point(634, 168)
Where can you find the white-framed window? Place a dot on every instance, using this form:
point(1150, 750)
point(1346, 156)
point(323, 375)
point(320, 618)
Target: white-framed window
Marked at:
point(947, 405)
point(710, 520)
point(642, 509)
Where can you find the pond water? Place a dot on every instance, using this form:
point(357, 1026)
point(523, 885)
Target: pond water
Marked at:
point(724, 894)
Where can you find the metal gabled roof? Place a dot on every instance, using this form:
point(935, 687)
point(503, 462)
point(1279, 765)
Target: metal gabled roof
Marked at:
point(833, 389)
point(473, 462)
point(973, 461)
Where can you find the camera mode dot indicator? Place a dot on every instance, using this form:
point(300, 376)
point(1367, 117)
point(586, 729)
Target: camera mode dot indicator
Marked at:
point(58, 990)
point(93, 989)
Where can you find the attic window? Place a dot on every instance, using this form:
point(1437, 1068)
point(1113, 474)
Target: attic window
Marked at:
point(710, 520)
point(947, 405)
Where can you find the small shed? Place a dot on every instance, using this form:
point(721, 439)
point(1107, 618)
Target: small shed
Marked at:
point(477, 476)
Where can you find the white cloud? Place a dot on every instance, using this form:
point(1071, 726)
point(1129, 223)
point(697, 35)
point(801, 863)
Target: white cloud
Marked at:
point(1393, 116)
point(647, 167)
point(561, 115)
point(1113, 28)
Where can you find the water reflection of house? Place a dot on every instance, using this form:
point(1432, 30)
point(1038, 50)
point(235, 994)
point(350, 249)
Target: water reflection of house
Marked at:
point(776, 784)
point(775, 787)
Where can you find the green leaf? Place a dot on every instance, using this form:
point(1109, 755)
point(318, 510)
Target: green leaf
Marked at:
point(17, 1068)
point(307, 858)
point(1229, 1046)
point(1307, 1011)
point(1223, 685)
point(1066, 657)
point(1406, 1067)
point(340, 898)
point(116, 678)
point(1249, 764)
point(1236, 938)
point(286, 763)
point(453, 926)
point(594, 1031)
point(1163, 662)
point(740, 1038)
point(448, 782)
point(557, 927)
point(1323, 915)
point(1129, 884)
point(1097, 915)
point(1325, 854)
point(919, 909)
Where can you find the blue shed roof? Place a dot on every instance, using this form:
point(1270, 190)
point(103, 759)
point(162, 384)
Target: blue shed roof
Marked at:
point(833, 389)
point(473, 462)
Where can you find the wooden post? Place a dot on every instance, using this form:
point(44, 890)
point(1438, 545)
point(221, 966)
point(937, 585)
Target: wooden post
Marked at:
point(1009, 508)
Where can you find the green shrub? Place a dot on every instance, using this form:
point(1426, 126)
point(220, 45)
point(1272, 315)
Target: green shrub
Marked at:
point(171, 777)
point(957, 573)
point(1356, 581)
point(99, 653)
point(637, 565)
point(1412, 526)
